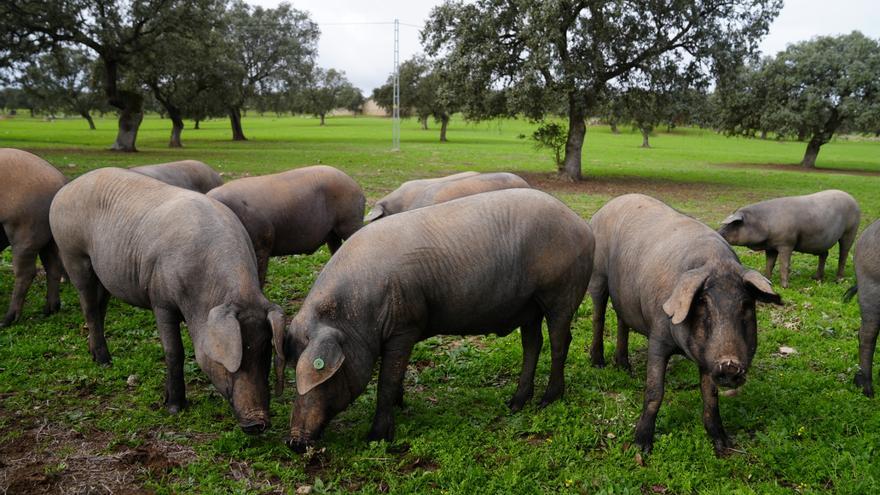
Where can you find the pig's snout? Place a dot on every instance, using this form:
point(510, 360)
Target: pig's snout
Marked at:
point(254, 424)
point(729, 373)
point(299, 441)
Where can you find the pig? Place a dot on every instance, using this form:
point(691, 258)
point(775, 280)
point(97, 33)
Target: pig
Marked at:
point(485, 263)
point(295, 212)
point(188, 174)
point(188, 259)
point(807, 224)
point(402, 198)
point(467, 186)
point(27, 185)
point(867, 263)
point(676, 281)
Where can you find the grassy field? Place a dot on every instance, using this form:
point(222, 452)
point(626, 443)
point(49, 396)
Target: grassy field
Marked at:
point(800, 425)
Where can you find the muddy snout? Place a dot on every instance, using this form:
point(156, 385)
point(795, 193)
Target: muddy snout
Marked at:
point(299, 441)
point(729, 373)
point(254, 424)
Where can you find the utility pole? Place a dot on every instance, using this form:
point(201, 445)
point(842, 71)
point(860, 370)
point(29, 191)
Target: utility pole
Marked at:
point(395, 112)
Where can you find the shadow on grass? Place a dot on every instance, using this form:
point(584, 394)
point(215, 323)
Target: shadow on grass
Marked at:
point(795, 167)
point(618, 185)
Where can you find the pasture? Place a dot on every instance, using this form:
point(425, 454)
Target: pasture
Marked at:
point(68, 425)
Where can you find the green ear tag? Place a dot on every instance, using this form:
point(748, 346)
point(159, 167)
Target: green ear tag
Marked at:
point(318, 364)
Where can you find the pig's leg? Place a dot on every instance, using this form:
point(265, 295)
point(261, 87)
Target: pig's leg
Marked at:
point(621, 354)
point(658, 357)
point(24, 268)
point(395, 357)
point(867, 343)
point(771, 255)
point(820, 270)
point(784, 265)
point(532, 341)
point(52, 263)
point(559, 328)
point(168, 323)
point(93, 299)
point(599, 295)
point(333, 243)
point(711, 415)
point(845, 244)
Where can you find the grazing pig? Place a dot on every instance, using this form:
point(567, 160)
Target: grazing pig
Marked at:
point(867, 262)
point(806, 224)
point(295, 212)
point(188, 174)
point(402, 198)
point(486, 263)
point(187, 258)
point(27, 185)
point(677, 282)
point(467, 186)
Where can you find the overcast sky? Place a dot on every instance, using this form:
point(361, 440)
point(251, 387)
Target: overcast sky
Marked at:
point(366, 51)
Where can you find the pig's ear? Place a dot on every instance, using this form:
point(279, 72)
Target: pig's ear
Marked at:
point(275, 316)
point(220, 340)
point(376, 213)
point(736, 217)
point(320, 360)
point(760, 287)
point(679, 304)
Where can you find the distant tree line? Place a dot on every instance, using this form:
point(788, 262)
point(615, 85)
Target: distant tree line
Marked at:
point(186, 59)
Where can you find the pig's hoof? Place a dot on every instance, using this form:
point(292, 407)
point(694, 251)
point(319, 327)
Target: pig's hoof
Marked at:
point(723, 446)
point(297, 446)
point(623, 364)
point(9, 319)
point(102, 358)
point(598, 362)
point(50, 309)
point(862, 381)
point(381, 432)
point(175, 408)
point(516, 403)
point(818, 277)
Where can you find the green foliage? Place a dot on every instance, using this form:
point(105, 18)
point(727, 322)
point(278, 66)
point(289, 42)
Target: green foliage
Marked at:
point(551, 136)
point(62, 80)
point(328, 90)
point(810, 90)
point(800, 425)
point(539, 54)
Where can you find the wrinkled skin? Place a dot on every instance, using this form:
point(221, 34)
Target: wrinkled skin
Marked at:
point(27, 185)
point(677, 282)
point(187, 258)
point(188, 174)
point(807, 224)
point(402, 198)
point(867, 263)
point(488, 263)
point(295, 212)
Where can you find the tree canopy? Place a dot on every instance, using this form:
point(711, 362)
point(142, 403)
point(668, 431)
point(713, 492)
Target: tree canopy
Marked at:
point(811, 90)
point(540, 53)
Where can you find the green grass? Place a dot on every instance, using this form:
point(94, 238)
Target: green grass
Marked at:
point(799, 424)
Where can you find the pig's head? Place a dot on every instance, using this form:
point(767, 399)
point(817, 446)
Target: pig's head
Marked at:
point(741, 229)
point(234, 348)
point(322, 383)
point(713, 319)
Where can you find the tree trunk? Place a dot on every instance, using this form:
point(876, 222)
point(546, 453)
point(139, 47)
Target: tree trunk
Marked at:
point(322, 119)
point(802, 135)
point(176, 128)
point(645, 134)
point(131, 114)
point(444, 123)
point(577, 129)
point(763, 133)
point(235, 121)
point(614, 129)
point(812, 152)
point(196, 126)
point(85, 114)
point(424, 121)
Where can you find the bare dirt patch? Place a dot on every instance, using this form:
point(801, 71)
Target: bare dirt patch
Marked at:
point(789, 167)
point(48, 458)
point(615, 186)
